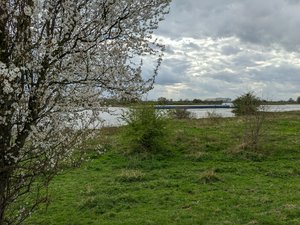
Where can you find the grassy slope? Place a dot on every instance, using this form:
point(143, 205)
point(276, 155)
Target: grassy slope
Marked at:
point(199, 183)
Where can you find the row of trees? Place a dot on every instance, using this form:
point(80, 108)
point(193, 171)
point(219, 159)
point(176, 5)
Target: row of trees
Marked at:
point(196, 101)
point(56, 55)
point(291, 100)
point(163, 100)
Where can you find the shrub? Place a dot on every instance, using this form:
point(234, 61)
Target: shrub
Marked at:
point(254, 117)
point(247, 104)
point(180, 114)
point(146, 129)
point(254, 131)
point(213, 116)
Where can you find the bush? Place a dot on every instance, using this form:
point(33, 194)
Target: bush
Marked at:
point(180, 114)
point(247, 104)
point(254, 117)
point(254, 131)
point(213, 116)
point(146, 130)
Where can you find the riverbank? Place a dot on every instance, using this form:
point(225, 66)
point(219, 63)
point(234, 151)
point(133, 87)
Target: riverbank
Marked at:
point(204, 179)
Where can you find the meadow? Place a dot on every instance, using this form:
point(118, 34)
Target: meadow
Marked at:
point(203, 177)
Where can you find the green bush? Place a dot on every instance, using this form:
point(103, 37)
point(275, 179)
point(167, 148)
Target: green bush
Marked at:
point(247, 104)
point(146, 130)
point(254, 117)
point(180, 114)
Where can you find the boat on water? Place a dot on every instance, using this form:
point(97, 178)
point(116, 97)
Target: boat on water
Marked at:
point(223, 106)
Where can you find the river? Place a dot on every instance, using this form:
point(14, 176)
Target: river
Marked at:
point(114, 117)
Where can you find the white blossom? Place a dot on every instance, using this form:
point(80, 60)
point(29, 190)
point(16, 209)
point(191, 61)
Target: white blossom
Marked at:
point(57, 59)
point(7, 88)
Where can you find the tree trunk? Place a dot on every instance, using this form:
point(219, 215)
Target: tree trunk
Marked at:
point(4, 180)
point(3, 34)
point(4, 171)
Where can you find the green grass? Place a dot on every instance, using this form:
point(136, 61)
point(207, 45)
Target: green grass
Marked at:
point(202, 181)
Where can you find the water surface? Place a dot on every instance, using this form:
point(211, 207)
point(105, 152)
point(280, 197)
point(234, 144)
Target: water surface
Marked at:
point(114, 117)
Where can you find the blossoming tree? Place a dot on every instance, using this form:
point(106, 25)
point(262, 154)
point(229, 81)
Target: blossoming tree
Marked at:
point(57, 56)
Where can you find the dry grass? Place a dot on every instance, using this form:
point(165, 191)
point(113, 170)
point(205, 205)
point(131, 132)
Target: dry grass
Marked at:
point(197, 156)
point(209, 176)
point(131, 175)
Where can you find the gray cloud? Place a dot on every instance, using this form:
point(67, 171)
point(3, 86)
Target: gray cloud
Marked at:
point(263, 22)
point(229, 77)
point(174, 71)
point(227, 47)
point(230, 50)
point(285, 74)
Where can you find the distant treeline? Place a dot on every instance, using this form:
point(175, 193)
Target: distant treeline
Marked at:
point(165, 101)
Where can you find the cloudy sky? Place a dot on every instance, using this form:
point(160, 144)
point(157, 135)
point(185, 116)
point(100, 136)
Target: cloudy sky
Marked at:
point(224, 48)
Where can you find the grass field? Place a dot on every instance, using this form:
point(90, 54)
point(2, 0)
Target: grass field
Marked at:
point(203, 179)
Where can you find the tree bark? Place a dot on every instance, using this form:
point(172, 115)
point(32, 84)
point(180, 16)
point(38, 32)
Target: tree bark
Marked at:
point(3, 34)
point(4, 181)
